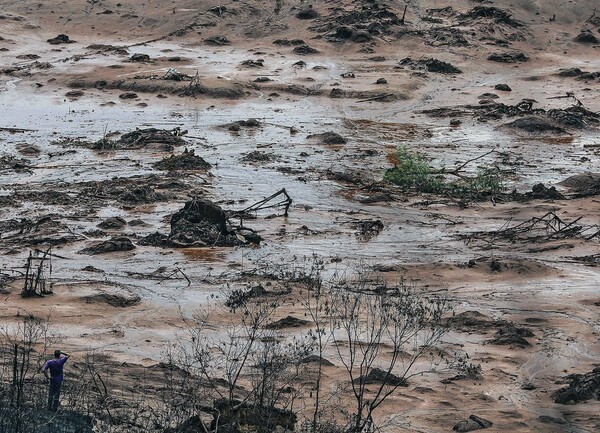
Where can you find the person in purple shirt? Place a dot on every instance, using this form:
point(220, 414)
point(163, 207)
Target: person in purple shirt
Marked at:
point(55, 366)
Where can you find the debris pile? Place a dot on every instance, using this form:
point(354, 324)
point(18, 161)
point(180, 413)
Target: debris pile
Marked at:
point(430, 65)
point(582, 387)
point(188, 160)
point(200, 223)
point(143, 138)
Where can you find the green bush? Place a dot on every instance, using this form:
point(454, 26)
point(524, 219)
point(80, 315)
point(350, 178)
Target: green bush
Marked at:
point(412, 172)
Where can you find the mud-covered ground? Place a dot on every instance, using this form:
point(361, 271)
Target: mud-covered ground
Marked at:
point(63, 172)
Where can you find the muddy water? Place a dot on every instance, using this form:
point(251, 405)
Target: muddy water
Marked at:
point(322, 216)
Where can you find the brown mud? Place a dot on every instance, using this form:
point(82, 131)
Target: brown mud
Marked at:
point(525, 271)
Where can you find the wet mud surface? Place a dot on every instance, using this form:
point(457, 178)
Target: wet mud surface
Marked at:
point(100, 149)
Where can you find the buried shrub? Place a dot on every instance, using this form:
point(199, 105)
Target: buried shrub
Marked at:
point(412, 173)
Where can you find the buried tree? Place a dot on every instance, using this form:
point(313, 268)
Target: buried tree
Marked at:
point(378, 336)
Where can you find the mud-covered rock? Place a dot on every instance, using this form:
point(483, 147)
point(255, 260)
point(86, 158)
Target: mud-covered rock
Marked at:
point(187, 160)
point(377, 375)
point(536, 125)
point(473, 423)
point(508, 57)
point(503, 87)
point(114, 299)
point(430, 65)
point(582, 387)
point(304, 50)
point(583, 184)
point(113, 223)
point(328, 138)
point(287, 322)
point(512, 335)
point(540, 191)
point(586, 37)
point(307, 13)
point(116, 244)
point(217, 40)
point(139, 57)
point(60, 39)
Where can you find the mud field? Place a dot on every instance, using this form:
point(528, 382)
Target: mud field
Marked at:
point(107, 134)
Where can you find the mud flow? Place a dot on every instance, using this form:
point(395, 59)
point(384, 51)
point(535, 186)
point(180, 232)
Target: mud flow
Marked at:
point(156, 158)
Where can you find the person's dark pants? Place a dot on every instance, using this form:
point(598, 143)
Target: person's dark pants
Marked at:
point(53, 395)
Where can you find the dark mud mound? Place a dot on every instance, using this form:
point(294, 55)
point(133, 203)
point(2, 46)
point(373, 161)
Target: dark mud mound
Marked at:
point(200, 223)
point(258, 157)
point(508, 57)
point(473, 423)
point(116, 244)
point(489, 13)
point(141, 138)
point(369, 18)
point(586, 37)
point(536, 125)
point(188, 160)
point(430, 65)
point(60, 39)
point(239, 124)
point(46, 231)
point(217, 40)
point(115, 300)
point(583, 185)
point(114, 223)
point(512, 335)
point(582, 387)
point(307, 13)
point(471, 321)
point(304, 50)
point(128, 191)
point(378, 375)
point(287, 322)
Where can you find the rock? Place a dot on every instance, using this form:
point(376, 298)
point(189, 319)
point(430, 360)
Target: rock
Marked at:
point(262, 80)
point(381, 81)
point(472, 423)
point(188, 160)
point(488, 96)
point(584, 184)
point(113, 223)
point(377, 375)
point(60, 39)
point(455, 122)
point(120, 243)
point(348, 75)
point(503, 87)
point(304, 50)
point(287, 322)
point(307, 13)
point(586, 37)
point(328, 138)
point(508, 57)
point(139, 57)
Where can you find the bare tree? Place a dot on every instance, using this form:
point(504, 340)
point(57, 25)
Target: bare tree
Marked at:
point(365, 318)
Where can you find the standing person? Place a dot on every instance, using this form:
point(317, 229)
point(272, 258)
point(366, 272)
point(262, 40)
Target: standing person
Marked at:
point(56, 377)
